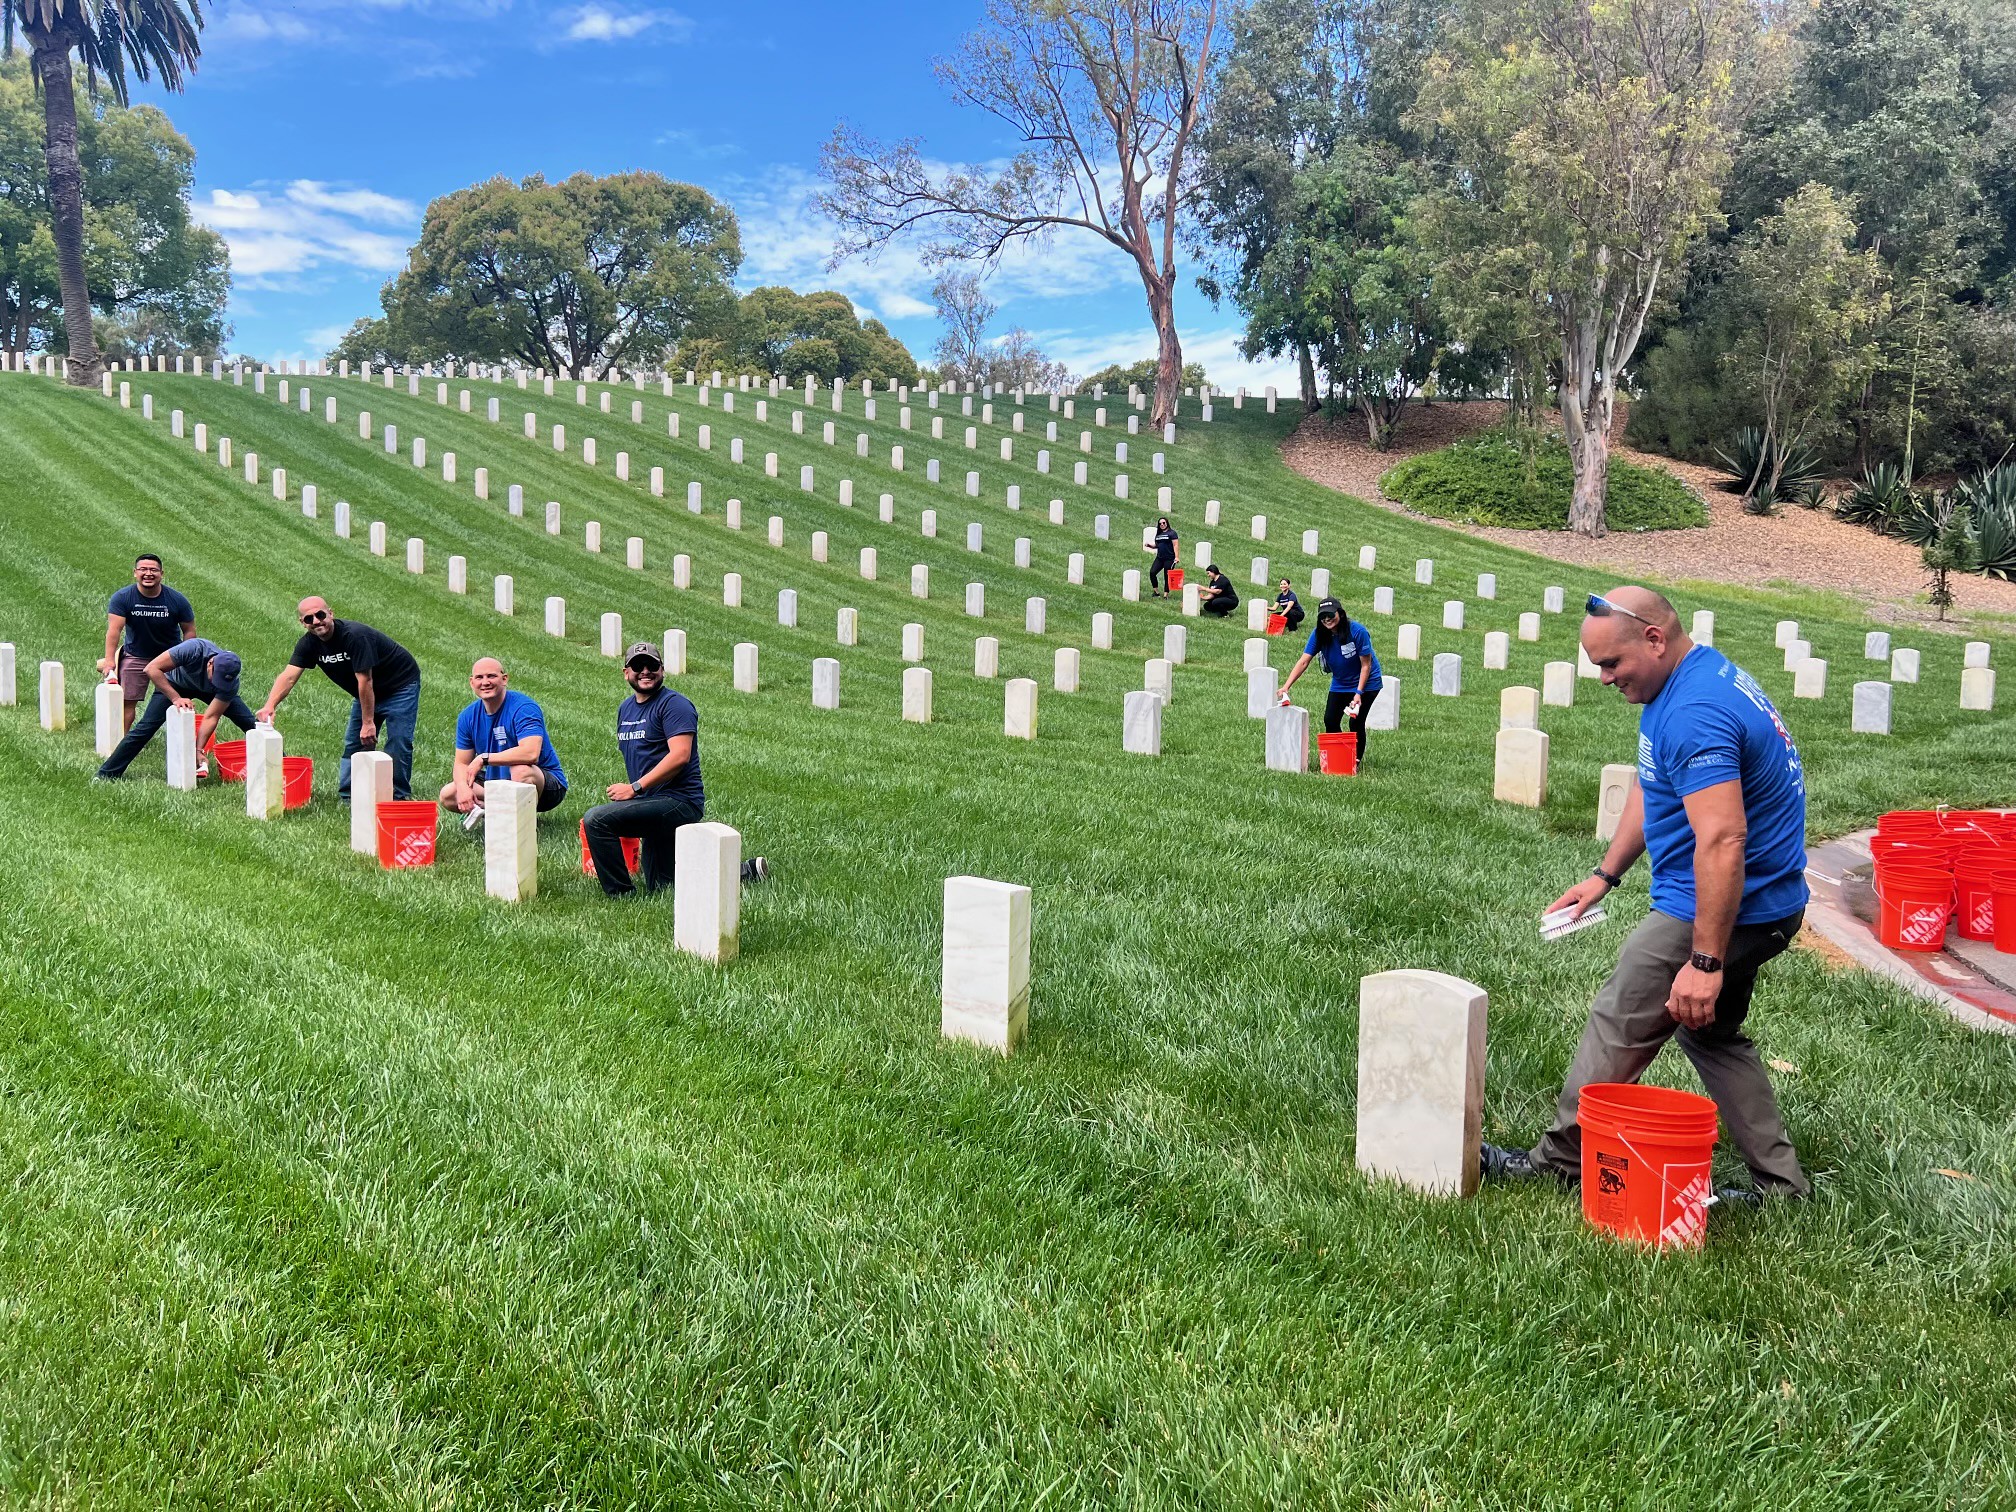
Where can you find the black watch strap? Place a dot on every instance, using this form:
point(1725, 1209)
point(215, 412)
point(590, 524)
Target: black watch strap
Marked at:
point(1610, 877)
point(1700, 960)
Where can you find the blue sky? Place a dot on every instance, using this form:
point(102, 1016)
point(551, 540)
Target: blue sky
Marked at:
point(323, 127)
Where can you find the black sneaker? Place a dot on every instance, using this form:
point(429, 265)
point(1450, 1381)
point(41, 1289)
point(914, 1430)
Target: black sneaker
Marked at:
point(1496, 1163)
point(1738, 1197)
point(756, 869)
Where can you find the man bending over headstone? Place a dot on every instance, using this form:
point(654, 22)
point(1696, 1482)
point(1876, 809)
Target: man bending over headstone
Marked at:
point(378, 673)
point(188, 673)
point(501, 737)
point(658, 733)
point(1721, 806)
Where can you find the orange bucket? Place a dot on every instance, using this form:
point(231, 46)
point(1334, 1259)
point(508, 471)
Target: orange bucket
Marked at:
point(633, 851)
point(1973, 878)
point(230, 759)
point(1936, 855)
point(1913, 904)
point(1645, 1153)
point(406, 832)
point(2004, 884)
point(1276, 623)
point(1906, 822)
point(1337, 755)
point(297, 775)
point(1175, 579)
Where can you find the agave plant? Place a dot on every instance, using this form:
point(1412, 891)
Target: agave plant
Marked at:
point(1995, 541)
point(1918, 518)
point(1751, 460)
point(1878, 495)
point(1994, 489)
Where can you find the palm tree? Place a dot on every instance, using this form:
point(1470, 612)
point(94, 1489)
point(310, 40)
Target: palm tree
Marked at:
point(152, 35)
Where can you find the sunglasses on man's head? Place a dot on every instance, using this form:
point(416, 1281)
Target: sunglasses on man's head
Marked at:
point(1599, 605)
point(316, 618)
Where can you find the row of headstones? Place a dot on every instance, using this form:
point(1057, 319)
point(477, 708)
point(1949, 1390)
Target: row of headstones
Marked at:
point(1872, 700)
point(1421, 1038)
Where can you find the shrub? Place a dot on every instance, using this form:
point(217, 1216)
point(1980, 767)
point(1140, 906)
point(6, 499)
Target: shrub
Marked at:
point(1749, 456)
point(1525, 483)
point(1877, 495)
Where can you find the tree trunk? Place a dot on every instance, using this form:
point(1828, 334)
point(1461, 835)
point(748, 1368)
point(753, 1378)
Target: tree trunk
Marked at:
point(1589, 445)
point(66, 201)
point(1312, 401)
point(1169, 351)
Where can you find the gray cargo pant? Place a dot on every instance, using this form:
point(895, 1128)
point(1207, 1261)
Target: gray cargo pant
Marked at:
point(1628, 1023)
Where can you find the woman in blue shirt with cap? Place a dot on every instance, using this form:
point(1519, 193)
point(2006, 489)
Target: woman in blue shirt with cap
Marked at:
point(1345, 647)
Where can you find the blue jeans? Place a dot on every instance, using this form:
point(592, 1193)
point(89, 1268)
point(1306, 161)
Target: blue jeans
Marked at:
point(397, 714)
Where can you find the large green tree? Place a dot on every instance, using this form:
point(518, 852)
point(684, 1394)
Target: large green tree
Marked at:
point(576, 277)
point(778, 330)
point(152, 37)
point(1588, 141)
point(158, 282)
point(1309, 168)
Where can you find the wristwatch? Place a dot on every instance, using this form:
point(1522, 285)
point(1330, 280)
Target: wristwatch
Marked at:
point(1700, 960)
point(1614, 880)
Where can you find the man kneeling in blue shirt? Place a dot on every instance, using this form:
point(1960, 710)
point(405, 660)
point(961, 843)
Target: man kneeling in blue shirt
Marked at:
point(501, 737)
point(1720, 803)
point(658, 732)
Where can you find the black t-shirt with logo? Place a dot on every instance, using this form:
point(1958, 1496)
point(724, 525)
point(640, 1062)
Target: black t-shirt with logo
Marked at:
point(355, 647)
point(152, 624)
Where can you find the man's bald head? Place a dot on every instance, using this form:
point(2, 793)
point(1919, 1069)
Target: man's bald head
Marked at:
point(488, 664)
point(310, 604)
point(1633, 636)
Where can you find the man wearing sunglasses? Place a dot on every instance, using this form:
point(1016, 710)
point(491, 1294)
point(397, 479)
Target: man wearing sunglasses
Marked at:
point(379, 674)
point(658, 733)
point(1720, 805)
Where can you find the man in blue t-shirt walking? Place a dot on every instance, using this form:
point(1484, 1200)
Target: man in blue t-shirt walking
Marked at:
point(658, 732)
point(1720, 803)
point(501, 737)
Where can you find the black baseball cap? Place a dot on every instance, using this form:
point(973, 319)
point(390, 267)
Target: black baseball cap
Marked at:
point(1328, 607)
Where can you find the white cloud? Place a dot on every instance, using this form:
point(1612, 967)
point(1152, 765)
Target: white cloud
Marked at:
point(308, 225)
point(600, 23)
point(786, 240)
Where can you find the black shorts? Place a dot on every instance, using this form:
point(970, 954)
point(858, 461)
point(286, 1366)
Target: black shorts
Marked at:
point(551, 796)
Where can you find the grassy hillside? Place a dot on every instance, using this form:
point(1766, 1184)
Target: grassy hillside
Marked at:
point(330, 1183)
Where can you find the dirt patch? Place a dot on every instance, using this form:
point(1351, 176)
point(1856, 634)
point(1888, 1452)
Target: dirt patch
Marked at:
point(1805, 547)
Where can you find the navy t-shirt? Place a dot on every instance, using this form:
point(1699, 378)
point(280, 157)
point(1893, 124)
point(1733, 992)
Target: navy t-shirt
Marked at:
point(189, 669)
point(1351, 645)
point(152, 625)
point(645, 730)
point(1710, 724)
point(1165, 544)
point(517, 717)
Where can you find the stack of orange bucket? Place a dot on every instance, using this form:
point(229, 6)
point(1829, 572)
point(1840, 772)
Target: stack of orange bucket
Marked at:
point(1935, 866)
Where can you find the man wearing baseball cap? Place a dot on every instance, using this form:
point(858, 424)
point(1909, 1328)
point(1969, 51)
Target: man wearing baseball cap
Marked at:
point(658, 733)
point(190, 672)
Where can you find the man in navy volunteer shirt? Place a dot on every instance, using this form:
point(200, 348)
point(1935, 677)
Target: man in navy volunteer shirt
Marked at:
point(658, 732)
point(1720, 803)
point(1345, 649)
point(194, 671)
point(152, 617)
point(501, 737)
point(378, 673)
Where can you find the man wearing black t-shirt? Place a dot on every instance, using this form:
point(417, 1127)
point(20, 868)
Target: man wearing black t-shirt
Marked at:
point(378, 673)
point(142, 620)
point(658, 733)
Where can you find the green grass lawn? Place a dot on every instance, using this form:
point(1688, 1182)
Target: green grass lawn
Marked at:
point(328, 1186)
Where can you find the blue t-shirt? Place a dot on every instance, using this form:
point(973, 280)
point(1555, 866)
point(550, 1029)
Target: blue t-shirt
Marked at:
point(152, 624)
point(516, 717)
point(1353, 643)
point(645, 730)
point(189, 669)
point(1711, 723)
